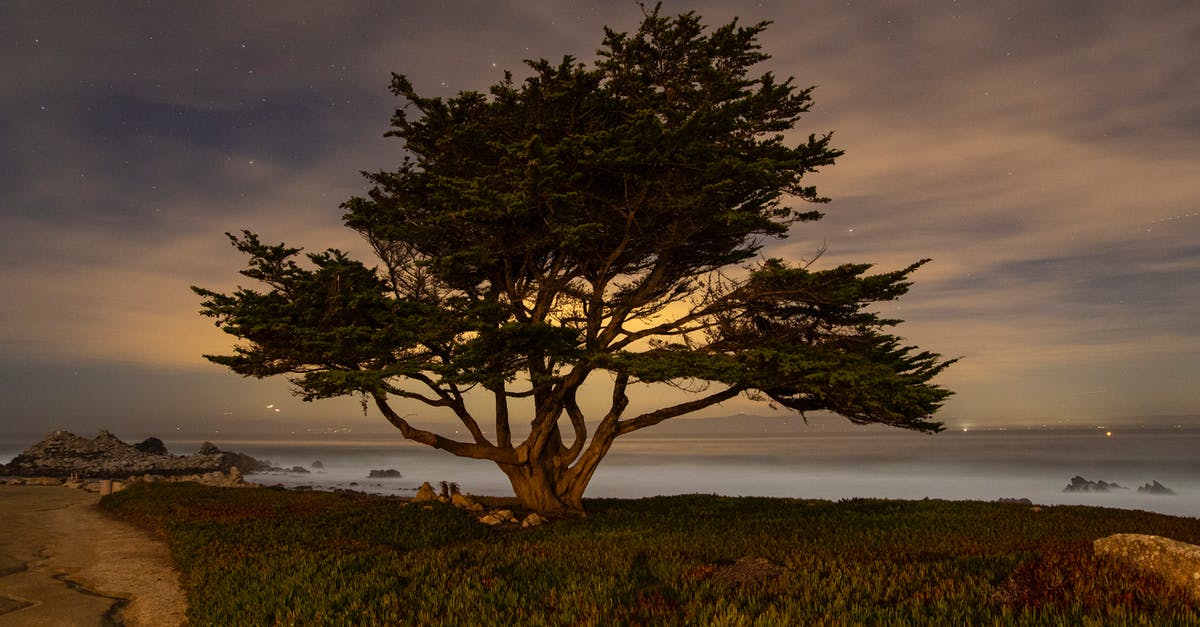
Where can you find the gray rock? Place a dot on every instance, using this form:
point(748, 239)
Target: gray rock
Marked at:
point(153, 446)
point(1079, 484)
point(317, 464)
point(64, 454)
point(1174, 561)
point(390, 473)
point(1155, 488)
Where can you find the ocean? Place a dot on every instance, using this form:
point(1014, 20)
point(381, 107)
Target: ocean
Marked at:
point(977, 465)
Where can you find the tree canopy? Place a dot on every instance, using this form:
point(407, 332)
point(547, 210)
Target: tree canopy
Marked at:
point(591, 218)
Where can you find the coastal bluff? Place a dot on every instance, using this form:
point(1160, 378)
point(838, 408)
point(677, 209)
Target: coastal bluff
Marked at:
point(64, 454)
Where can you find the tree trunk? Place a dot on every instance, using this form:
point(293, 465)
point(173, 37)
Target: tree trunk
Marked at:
point(538, 489)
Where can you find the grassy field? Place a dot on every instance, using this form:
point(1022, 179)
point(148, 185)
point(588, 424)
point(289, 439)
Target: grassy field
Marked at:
point(273, 557)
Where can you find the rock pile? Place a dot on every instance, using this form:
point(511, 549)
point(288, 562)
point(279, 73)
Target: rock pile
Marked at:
point(493, 518)
point(64, 454)
point(1079, 484)
point(1155, 488)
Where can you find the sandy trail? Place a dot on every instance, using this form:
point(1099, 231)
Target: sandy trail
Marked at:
point(64, 562)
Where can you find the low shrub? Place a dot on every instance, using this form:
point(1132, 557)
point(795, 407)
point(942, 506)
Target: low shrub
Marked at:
point(272, 557)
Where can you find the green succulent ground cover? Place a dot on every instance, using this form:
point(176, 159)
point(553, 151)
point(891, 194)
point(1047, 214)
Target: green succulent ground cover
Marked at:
point(273, 557)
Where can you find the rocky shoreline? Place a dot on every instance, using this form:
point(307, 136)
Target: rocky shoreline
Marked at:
point(105, 464)
point(63, 458)
point(231, 479)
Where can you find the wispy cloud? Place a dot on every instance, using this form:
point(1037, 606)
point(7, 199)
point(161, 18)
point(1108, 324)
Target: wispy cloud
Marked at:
point(1043, 155)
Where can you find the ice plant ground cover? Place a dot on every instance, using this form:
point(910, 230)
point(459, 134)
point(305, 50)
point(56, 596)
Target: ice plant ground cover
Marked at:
point(271, 556)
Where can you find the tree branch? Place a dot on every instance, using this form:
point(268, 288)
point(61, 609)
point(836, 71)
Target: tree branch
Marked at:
point(503, 430)
point(395, 391)
point(429, 438)
point(652, 418)
point(580, 427)
point(454, 400)
point(620, 314)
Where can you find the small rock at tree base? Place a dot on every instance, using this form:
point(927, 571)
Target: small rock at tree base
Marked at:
point(498, 517)
point(533, 520)
point(494, 518)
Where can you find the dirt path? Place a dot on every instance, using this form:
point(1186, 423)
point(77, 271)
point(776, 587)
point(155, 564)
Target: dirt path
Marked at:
point(64, 562)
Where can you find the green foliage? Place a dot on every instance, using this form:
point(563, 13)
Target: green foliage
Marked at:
point(587, 219)
point(271, 557)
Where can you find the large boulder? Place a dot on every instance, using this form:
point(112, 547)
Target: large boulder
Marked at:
point(153, 446)
point(1174, 561)
point(244, 462)
point(64, 454)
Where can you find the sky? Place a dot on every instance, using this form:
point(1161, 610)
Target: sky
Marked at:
point(1044, 154)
